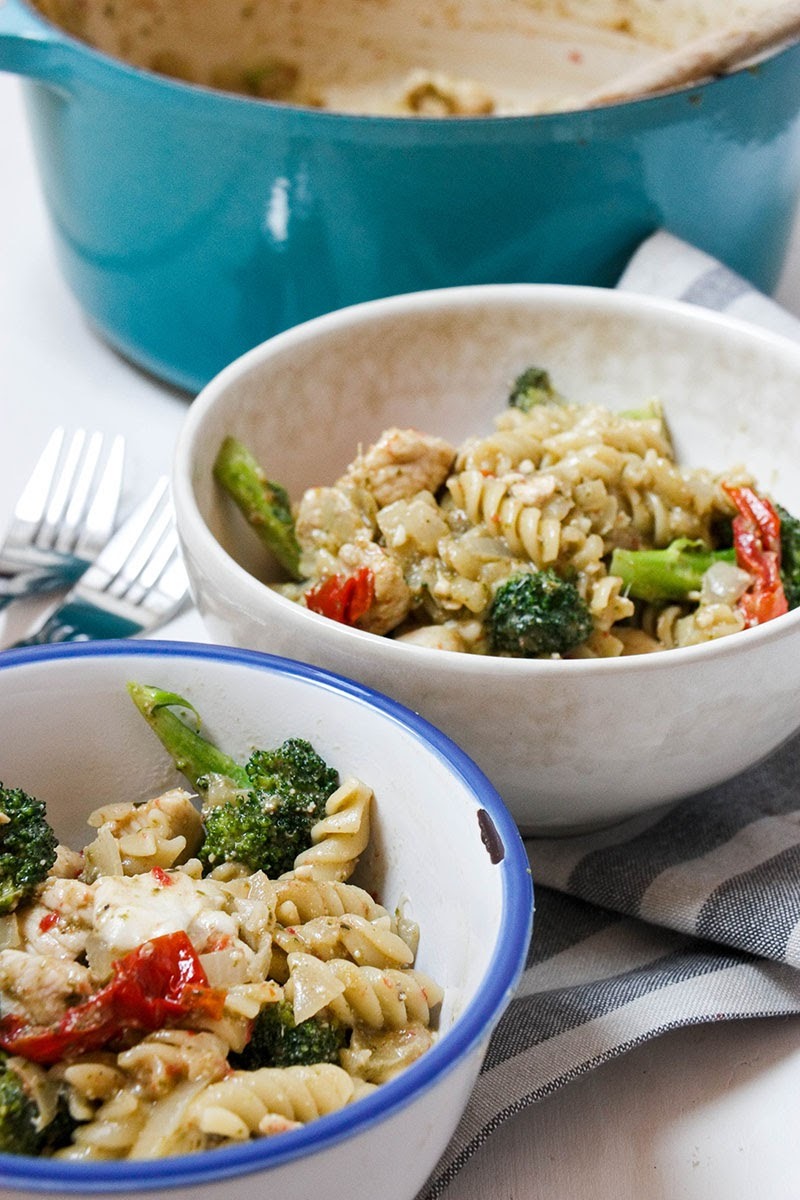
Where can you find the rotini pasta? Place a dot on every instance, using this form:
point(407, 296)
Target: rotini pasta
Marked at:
point(204, 1112)
point(566, 494)
point(159, 1003)
point(379, 999)
point(368, 943)
point(239, 1105)
point(300, 899)
point(340, 837)
point(375, 1056)
point(132, 838)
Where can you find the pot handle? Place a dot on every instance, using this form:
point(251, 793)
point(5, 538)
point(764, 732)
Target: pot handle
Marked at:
point(30, 45)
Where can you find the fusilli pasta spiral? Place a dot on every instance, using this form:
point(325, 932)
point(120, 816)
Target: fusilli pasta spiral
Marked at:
point(357, 995)
point(368, 943)
point(341, 836)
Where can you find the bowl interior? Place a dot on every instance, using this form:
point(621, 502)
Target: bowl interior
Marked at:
point(444, 362)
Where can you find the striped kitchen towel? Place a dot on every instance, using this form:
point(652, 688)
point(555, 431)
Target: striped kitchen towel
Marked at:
point(665, 266)
point(682, 916)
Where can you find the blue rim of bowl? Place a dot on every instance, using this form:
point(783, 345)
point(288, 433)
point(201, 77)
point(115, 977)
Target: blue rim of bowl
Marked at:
point(473, 1026)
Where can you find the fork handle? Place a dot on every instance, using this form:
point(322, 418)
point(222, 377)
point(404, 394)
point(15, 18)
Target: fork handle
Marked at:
point(74, 621)
point(34, 583)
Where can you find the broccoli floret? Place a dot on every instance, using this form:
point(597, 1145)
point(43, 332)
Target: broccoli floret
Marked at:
point(262, 811)
point(27, 846)
point(669, 574)
point(276, 1041)
point(268, 826)
point(21, 1128)
point(265, 505)
point(19, 1114)
point(532, 387)
point(790, 556)
point(537, 613)
point(673, 573)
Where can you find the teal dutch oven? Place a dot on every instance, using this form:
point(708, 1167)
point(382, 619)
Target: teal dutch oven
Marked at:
point(192, 223)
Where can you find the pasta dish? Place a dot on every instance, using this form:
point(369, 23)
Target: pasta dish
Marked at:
point(568, 531)
point(160, 997)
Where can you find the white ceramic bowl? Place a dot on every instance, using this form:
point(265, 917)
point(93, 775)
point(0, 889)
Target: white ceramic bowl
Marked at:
point(569, 744)
point(442, 839)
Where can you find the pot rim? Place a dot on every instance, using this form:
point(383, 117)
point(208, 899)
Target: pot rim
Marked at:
point(55, 55)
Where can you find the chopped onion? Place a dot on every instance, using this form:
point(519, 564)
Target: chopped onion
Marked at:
point(313, 986)
point(223, 968)
point(10, 937)
point(724, 583)
point(43, 1090)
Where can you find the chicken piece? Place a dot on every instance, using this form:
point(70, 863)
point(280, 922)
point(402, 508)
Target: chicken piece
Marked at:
point(401, 463)
point(393, 598)
point(130, 910)
point(413, 527)
point(235, 919)
point(60, 920)
point(39, 988)
point(533, 490)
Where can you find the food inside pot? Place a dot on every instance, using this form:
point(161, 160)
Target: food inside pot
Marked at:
point(398, 57)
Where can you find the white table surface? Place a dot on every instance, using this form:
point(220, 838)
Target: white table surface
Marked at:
point(709, 1113)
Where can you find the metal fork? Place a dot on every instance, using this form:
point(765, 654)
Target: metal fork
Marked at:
point(64, 516)
point(137, 582)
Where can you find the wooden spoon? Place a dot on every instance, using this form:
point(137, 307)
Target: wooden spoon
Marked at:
point(705, 58)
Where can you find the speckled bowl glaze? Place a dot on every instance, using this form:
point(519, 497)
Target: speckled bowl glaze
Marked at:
point(568, 744)
point(442, 843)
point(192, 223)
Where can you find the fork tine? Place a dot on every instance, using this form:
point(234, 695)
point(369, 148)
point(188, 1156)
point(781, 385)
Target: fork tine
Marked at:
point(149, 578)
point(160, 559)
point(61, 491)
point(174, 581)
point(76, 494)
point(100, 519)
point(125, 541)
point(32, 504)
point(138, 566)
point(66, 511)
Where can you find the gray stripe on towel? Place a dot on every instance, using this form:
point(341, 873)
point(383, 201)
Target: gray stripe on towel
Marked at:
point(572, 1008)
point(746, 989)
point(758, 909)
point(716, 288)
